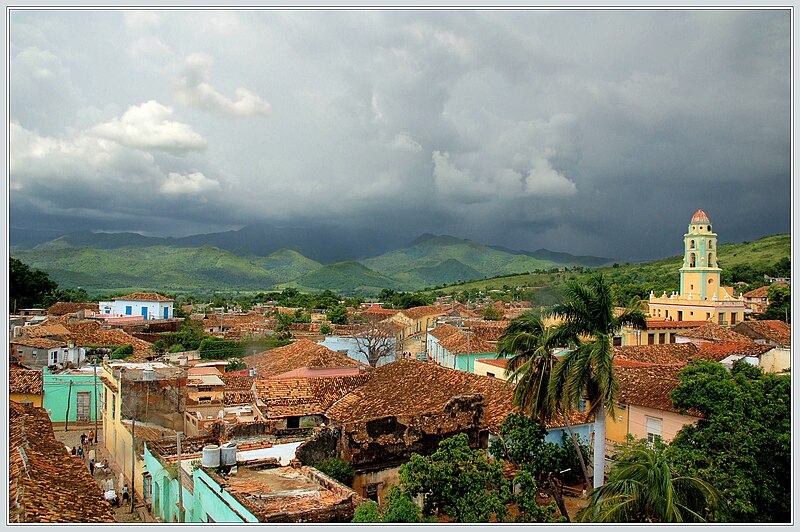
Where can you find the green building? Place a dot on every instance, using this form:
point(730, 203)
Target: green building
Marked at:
point(73, 394)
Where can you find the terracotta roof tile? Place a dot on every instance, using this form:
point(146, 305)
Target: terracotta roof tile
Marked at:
point(759, 292)
point(301, 354)
point(774, 331)
point(416, 313)
point(47, 485)
point(714, 333)
point(657, 353)
point(143, 296)
point(496, 362)
point(443, 331)
point(38, 343)
point(721, 351)
point(303, 396)
point(65, 307)
point(700, 217)
point(25, 381)
point(413, 387)
point(648, 386)
point(489, 331)
point(460, 343)
point(666, 324)
point(44, 331)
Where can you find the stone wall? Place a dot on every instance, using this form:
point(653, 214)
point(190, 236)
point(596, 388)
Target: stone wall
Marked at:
point(325, 444)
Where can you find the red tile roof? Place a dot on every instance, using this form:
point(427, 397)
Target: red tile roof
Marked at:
point(413, 387)
point(38, 343)
point(303, 396)
point(443, 331)
point(301, 354)
point(416, 313)
point(760, 292)
point(26, 381)
point(700, 217)
point(648, 386)
point(657, 353)
point(774, 331)
point(65, 307)
point(46, 484)
point(489, 331)
point(714, 333)
point(496, 362)
point(721, 351)
point(143, 296)
point(460, 343)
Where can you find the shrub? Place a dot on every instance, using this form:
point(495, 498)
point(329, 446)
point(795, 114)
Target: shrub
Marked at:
point(367, 513)
point(338, 469)
point(122, 352)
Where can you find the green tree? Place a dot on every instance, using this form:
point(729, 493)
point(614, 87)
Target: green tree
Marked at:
point(492, 313)
point(338, 315)
point(588, 369)
point(458, 481)
point(780, 304)
point(27, 288)
point(530, 344)
point(742, 445)
point(401, 509)
point(236, 365)
point(123, 351)
point(212, 348)
point(325, 329)
point(643, 487)
point(367, 513)
point(338, 469)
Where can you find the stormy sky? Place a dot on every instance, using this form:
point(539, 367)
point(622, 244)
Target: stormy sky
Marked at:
point(586, 131)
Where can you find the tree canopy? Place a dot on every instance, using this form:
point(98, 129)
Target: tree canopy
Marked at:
point(743, 445)
point(28, 288)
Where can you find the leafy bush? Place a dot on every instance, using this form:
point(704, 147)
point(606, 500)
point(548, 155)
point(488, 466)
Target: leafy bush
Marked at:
point(176, 348)
point(215, 348)
point(367, 513)
point(122, 352)
point(338, 469)
point(325, 329)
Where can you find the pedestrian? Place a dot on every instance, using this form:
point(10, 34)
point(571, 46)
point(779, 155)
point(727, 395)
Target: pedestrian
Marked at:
point(91, 467)
point(90, 455)
point(91, 437)
point(105, 466)
point(80, 451)
point(125, 492)
point(83, 439)
point(74, 450)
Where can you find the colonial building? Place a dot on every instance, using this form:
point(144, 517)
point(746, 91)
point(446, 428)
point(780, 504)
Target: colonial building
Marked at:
point(701, 296)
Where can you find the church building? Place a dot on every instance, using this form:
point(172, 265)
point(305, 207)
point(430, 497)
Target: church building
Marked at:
point(701, 296)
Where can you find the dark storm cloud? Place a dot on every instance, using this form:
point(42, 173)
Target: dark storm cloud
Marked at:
point(584, 131)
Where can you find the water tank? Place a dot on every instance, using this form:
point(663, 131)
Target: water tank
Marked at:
point(211, 456)
point(228, 454)
point(148, 374)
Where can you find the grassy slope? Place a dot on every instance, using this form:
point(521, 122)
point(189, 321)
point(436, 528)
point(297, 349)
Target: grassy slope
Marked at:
point(349, 277)
point(765, 251)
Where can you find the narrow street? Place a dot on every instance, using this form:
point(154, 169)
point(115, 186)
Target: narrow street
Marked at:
point(111, 480)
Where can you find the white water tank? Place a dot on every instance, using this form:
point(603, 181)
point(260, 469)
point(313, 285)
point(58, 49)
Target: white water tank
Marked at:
point(211, 456)
point(228, 454)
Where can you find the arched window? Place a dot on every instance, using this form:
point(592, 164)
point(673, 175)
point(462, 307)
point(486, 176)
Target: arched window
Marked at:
point(691, 260)
point(710, 244)
point(691, 244)
point(710, 259)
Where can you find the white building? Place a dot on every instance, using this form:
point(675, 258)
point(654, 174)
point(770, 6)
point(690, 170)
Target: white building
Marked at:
point(149, 306)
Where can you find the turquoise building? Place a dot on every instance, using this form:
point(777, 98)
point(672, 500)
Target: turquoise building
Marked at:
point(73, 394)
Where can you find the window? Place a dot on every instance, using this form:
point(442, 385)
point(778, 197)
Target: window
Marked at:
point(710, 244)
point(692, 260)
point(204, 388)
point(721, 318)
point(651, 338)
point(204, 399)
point(733, 318)
point(293, 422)
point(672, 337)
point(691, 244)
point(582, 405)
point(710, 259)
point(617, 341)
point(30, 403)
point(662, 338)
point(680, 315)
point(128, 310)
point(113, 407)
point(653, 428)
point(488, 374)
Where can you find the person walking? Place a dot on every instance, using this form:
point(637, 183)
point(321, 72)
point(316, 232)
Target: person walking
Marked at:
point(74, 451)
point(125, 492)
point(83, 439)
point(80, 452)
point(91, 437)
point(91, 467)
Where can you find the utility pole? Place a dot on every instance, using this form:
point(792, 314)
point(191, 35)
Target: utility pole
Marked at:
point(180, 485)
point(133, 448)
point(96, 398)
point(69, 400)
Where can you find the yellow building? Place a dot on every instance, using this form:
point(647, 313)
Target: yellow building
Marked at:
point(701, 296)
point(25, 386)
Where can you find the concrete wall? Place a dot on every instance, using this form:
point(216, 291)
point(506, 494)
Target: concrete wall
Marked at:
point(777, 360)
point(35, 399)
point(57, 394)
point(213, 504)
point(671, 422)
point(617, 427)
point(583, 432)
point(481, 368)
point(383, 478)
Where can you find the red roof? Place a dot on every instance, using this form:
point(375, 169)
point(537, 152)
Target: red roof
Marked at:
point(496, 362)
point(719, 352)
point(773, 331)
point(143, 296)
point(666, 324)
point(700, 217)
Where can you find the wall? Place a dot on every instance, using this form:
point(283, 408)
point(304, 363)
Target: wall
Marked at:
point(57, 394)
point(583, 432)
point(210, 500)
point(35, 399)
point(670, 425)
point(384, 478)
point(617, 427)
point(481, 368)
point(777, 360)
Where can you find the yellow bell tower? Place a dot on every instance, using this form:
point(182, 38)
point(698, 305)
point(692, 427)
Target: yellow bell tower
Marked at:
point(700, 274)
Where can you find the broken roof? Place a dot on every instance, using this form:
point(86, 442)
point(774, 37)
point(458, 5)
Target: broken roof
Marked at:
point(303, 396)
point(775, 331)
point(46, 484)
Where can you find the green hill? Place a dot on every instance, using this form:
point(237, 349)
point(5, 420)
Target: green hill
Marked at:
point(156, 268)
point(660, 275)
point(286, 265)
point(445, 272)
point(349, 277)
point(438, 259)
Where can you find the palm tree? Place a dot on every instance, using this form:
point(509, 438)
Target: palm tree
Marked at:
point(530, 343)
point(589, 321)
point(642, 487)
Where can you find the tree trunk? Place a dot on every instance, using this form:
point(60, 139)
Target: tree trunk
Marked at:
point(578, 450)
point(599, 446)
point(552, 488)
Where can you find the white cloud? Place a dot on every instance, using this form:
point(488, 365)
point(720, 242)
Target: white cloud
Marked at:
point(141, 19)
point(404, 142)
point(192, 184)
point(148, 127)
point(195, 91)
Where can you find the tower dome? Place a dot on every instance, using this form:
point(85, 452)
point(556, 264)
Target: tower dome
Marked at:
point(700, 217)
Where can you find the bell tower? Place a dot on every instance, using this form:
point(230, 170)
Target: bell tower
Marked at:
point(700, 275)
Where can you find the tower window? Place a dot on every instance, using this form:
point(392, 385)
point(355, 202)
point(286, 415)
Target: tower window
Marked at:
point(710, 244)
point(710, 259)
point(691, 244)
point(692, 260)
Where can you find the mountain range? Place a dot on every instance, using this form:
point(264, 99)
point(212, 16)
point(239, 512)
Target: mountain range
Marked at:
point(265, 257)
